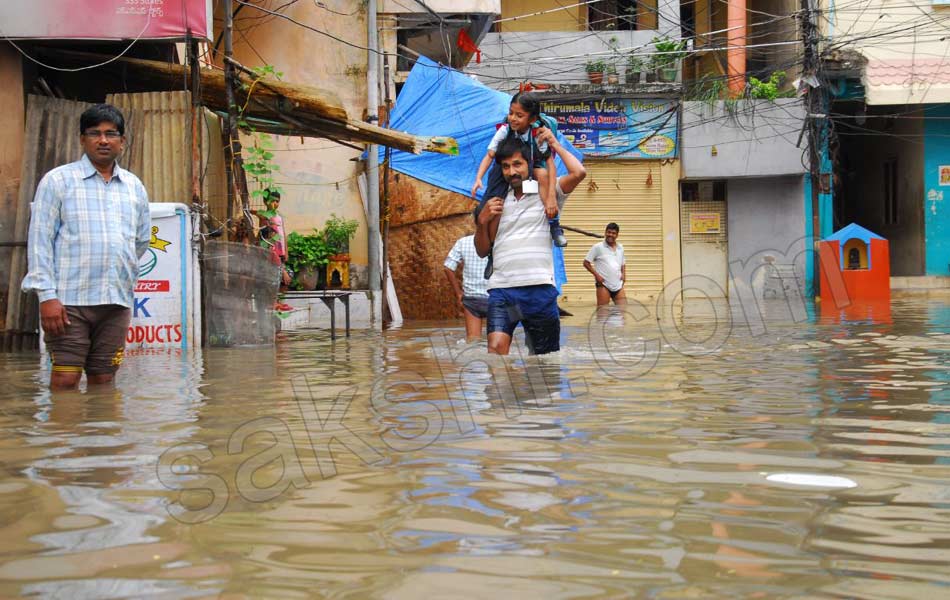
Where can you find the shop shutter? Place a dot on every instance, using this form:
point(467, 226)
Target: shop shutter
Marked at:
point(616, 191)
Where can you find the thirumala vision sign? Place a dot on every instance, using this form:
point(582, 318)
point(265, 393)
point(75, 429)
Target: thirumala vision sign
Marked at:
point(620, 128)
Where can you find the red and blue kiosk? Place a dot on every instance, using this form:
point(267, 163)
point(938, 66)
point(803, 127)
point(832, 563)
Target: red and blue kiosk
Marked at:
point(855, 270)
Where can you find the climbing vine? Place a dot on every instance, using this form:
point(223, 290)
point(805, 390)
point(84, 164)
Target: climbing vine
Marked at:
point(260, 165)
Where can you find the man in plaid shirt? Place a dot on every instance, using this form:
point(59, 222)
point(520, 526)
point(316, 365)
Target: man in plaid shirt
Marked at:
point(89, 226)
point(473, 293)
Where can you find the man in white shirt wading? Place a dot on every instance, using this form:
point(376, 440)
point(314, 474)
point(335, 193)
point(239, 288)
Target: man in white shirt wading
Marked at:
point(472, 293)
point(606, 263)
point(521, 287)
point(89, 226)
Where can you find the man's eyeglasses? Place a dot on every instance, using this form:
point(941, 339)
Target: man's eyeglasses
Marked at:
point(111, 134)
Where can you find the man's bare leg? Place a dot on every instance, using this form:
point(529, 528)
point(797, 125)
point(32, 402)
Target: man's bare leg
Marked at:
point(603, 296)
point(64, 380)
point(473, 326)
point(499, 342)
point(620, 297)
point(100, 379)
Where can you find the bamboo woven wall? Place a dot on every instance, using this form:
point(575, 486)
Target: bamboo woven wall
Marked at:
point(425, 222)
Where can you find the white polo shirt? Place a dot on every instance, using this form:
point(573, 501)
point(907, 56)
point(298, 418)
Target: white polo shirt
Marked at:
point(607, 262)
point(522, 250)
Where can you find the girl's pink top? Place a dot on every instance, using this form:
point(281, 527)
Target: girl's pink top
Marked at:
point(277, 224)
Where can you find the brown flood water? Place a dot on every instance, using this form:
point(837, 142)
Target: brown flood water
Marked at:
point(805, 459)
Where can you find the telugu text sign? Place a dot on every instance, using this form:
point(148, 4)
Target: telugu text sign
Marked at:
point(105, 19)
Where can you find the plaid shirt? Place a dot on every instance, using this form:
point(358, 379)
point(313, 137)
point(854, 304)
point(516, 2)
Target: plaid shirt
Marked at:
point(86, 236)
point(473, 271)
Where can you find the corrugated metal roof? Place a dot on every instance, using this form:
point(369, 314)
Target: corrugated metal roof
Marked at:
point(159, 142)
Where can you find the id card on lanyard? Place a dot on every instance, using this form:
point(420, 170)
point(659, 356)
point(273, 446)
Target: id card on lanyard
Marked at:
point(530, 185)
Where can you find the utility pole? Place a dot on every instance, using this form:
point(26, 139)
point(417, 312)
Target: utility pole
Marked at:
point(816, 124)
point(372, 155)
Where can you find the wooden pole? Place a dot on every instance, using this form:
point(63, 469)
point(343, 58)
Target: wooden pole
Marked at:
point(389, 154)
point(195, 130)
point(238, 180)
point(581, 231)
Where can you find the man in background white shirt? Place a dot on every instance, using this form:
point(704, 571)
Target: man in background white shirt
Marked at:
point(606, 263)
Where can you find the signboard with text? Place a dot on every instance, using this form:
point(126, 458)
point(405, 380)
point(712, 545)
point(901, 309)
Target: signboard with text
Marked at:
point(164, 314)
point(704, 223)
point(621, 128)
point(105, 19)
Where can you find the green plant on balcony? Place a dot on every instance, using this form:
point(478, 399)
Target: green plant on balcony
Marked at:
point(666, 59)
point(769, 89)
point(595, 70)
point(635, 66)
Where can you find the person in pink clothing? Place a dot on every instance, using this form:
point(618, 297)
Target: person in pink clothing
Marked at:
point(272, 219)
point(271, 236)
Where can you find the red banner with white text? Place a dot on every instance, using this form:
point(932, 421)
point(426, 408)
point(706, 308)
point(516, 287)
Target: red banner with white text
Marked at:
point(105, 19)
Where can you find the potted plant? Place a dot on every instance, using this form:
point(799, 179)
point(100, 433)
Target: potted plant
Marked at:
point(595, 70)
point(635, 66)
point(612, 77)
point(666, 60)
point(337, 233)
point(307, 256)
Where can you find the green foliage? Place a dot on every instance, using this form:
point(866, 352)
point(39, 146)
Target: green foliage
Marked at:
point(307, 251)
point(595, 65)
point(260, 167)
point(707, 89)
point(635, 63)
point(768, 90)
point(337, 233)
point(265, 71)
point(671, 51)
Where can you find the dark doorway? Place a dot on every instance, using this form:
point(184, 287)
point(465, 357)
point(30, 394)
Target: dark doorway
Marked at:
point(879, 178)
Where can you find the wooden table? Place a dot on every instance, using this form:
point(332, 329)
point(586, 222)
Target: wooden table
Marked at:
point(329, 298)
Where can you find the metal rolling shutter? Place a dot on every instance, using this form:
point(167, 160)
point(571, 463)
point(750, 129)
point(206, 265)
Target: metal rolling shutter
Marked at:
point(622, 196)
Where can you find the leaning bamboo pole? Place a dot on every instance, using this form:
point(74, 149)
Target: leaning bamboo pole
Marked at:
point(314, 111)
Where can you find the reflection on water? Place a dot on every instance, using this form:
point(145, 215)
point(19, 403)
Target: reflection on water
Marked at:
point(701, 453)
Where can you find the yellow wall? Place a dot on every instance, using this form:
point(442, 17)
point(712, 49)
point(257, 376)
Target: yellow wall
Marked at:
point(571, 19)
point(318, 176)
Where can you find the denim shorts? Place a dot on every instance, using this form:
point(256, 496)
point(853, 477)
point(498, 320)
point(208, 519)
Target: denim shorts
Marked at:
point(477, 305)
point(535, 307)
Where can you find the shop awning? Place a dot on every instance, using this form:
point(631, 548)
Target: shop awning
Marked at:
point(274, 106)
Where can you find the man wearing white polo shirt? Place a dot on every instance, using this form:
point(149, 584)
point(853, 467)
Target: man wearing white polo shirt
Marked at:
point(515, 229)
point(606, 263)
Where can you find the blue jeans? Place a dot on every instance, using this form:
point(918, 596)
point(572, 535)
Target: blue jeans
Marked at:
point(535, 307)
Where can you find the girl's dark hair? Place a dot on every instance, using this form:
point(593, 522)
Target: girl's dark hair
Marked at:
point(102, 113)
point(528, 101)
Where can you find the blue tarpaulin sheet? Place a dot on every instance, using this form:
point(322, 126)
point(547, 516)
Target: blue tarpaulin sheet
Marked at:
point(440, 101)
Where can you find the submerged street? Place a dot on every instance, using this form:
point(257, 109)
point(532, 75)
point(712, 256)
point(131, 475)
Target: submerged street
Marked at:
point(691, 457)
